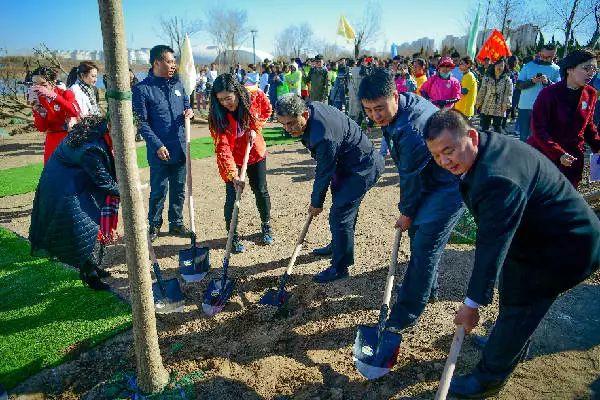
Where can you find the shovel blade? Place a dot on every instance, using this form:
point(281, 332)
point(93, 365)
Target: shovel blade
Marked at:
point(374, 356)
point(274, 297)
point(194, 263)
point(217, 295)
point(171, 301)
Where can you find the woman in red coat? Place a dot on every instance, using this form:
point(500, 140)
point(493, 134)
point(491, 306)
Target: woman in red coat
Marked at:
point(54, 110)
point(235, 115)
point(562, 118)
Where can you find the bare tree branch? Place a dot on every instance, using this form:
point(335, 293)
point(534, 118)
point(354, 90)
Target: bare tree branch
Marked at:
point(174, 29)
point(293, 39)
point(228, 29)
point(368, 27)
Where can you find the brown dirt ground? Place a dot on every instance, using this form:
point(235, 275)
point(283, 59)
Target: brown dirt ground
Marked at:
point(246, 354)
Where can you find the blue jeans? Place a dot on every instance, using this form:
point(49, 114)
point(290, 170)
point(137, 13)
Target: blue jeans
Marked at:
point(509, 341)
point(427, 243)
point(383, 150)
point(163, 178)
point(524, 123)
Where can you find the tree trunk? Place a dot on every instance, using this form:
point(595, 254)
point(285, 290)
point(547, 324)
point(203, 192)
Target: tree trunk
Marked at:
point(151, 374)
point(569, 24)
point(596, 35)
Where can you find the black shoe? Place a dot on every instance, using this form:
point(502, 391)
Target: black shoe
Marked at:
point(469, 387)
point(179, 230)
point(102, 273)
point(236, 246)
point(153, 233)
point(93, 280)
point(323, 251)
point(139, 138)
point(267, 234)
point(330, 274)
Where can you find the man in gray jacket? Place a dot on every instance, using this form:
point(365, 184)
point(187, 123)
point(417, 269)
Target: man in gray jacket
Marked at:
point(319, 83)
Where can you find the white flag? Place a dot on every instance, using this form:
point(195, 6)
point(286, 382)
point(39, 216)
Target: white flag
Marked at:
point(187, 70)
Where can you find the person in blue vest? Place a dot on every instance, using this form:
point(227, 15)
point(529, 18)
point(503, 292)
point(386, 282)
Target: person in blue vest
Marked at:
point(347, 162)
point(534, 230)
point(430, 205)
point(160, 106)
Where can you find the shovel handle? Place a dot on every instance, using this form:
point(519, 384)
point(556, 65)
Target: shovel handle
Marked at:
point(188, 163)
point(296, 252)
point(457, 340)
point(389, 282)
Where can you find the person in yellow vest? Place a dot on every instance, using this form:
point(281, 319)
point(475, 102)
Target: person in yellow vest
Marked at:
point(294, 79)
point(466, 104)
point(418, 73)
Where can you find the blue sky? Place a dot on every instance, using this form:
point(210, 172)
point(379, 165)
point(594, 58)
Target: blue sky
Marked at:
point(74, 24)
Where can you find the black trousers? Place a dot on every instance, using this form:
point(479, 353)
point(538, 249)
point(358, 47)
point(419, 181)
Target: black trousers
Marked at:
point(486, 120)
point(257, 177)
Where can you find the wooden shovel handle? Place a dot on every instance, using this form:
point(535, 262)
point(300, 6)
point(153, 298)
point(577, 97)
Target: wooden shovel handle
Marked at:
point(457, 340)
point(389, 282)
point(188, 164)
point(299, 244)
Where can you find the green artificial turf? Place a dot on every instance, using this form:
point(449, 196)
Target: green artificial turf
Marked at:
point(46, 314)
point(21, 180)
point(465, 230)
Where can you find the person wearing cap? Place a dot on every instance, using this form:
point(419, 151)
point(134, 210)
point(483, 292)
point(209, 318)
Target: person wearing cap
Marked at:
point(319, 81)
point(294, 79)
point(442, 89)
point(563, 116)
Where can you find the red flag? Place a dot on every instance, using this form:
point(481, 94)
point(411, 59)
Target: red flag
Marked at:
point(494, 48)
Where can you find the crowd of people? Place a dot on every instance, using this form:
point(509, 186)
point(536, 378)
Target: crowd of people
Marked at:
point(522, 193)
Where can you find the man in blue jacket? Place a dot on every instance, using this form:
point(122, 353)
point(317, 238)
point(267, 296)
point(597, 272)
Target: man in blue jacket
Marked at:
point(430, 203)
point(160, 105)
point(346, 162)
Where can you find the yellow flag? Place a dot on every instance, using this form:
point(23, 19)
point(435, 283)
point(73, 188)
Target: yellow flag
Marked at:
point(344, 28)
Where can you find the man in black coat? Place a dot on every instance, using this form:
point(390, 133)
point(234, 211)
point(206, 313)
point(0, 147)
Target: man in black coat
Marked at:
point(533, 227)
point(346, 161)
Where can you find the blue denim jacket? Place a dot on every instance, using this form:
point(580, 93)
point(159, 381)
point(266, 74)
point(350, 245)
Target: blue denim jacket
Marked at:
point(158, 104)
point(428, 191)
point(346, 158)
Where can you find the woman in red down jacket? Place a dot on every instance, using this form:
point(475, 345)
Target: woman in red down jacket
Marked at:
point(54, 110)
point(236, 115)
point(562, 120)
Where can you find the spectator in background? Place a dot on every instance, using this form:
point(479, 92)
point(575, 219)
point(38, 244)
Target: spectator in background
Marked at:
point(596, 85)
point(54, 110)
point(442, 89)
point(404, 82)
point(483, 68)
point(419, 73)
point(513, 70)
point(201, 89)
point(533, 77)
point(354, 78)
point(466, 104)
point(331, 76)
point(76, 202)
point(82, 82)
point(337, 96)
point(161, 106)
point(433, 64)
point(457, 72)
point(211, 75)
point(319, 81)
point(495, 95)
point(264, 79)
point(305, 69)
point(563, 116)
point(294, 79)
point(251, 78)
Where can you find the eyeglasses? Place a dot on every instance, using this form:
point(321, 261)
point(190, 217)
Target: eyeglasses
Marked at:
point(590, 69)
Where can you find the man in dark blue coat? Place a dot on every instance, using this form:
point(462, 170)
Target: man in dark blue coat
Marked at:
point(160, 106)
point(533, 228)
point(430, 203)
point(346, 162)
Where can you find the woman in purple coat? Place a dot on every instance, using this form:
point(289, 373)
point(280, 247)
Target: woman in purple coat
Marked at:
point(562, 118)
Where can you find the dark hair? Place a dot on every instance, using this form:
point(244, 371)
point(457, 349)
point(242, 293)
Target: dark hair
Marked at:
point(467, 60)
point(573, 59)
point(377, 84)
point(47, 73)
point(83, 69)
point(512, 61)
point(290, 104)
point(420, 61)
point(217, 114)
point(86, 131)
point(549, 46)
point(491, 71)
point(450, 120)
point(158, 52)
point(455, 54)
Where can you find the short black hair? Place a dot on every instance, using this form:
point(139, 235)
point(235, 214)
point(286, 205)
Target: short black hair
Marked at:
point(158, 52)
point(420, 61)
point(549, 46)
point(450, 120)
point(573, 59)
point(377, 84)
point(455, 54)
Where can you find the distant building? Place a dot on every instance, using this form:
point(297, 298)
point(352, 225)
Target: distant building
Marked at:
point(457, 43)
point(408, 49)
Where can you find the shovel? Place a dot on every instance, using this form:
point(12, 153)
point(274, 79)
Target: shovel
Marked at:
point(168, 297)
point(194, 262)
point(220, 290)
point(457, 340)
point(278, 297)
point(376, 349)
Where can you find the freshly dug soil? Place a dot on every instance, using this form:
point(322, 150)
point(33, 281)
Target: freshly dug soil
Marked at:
point(247, 352)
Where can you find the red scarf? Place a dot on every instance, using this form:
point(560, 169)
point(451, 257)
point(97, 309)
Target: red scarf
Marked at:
point(109, 213)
